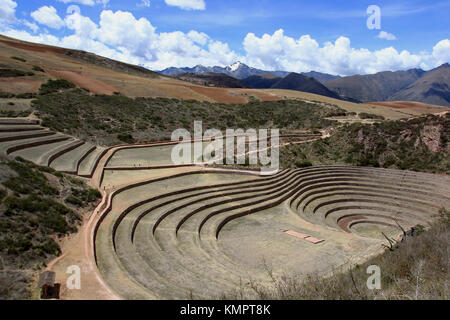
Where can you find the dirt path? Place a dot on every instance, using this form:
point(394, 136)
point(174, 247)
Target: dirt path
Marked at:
point(77, 250)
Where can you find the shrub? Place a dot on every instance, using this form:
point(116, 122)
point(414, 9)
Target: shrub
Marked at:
point(38, 69)
point(364, 115)
point(3, 194)
point(73, 200)
point(10, 73)
point(303, 164)
point(26, 95)
point(18, 59)
point(127, 138)
point(6, 95)
point(52, 86)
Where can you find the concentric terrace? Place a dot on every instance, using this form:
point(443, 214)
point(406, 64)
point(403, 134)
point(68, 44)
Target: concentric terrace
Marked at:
point(176, 232)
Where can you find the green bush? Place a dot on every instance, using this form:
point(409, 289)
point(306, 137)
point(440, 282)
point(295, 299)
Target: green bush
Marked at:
point(303, 164)
point(7, 95)
point(127, 138)
point(38, 69)
point(364, 115)
point(28, 180)
point(18, 59)
point(52, 86)
point(10, 73)
point(26, 95)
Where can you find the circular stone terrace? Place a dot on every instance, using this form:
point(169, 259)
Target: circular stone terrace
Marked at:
point(176, 232)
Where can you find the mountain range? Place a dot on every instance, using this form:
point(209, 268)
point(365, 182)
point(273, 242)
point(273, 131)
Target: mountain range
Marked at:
point(241, 71)
point(293, 81)
point(431, 87)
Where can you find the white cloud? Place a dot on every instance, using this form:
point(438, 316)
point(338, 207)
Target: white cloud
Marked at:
point(281, 52)
point(86, 2)
point(386, 36)
point(441, 51)
point(7, 11)
point(48, 16)
point(187, 4)
point(198, 37)
point(120, 35)
point(33, 26)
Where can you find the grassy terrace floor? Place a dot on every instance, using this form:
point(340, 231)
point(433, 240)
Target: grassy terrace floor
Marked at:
point(162, 240)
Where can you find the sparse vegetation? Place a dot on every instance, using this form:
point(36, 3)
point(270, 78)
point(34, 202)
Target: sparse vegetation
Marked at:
point(52, 86)
point(14, 114)
point(117, 119)
point(365, 115)
point(38, 69)
point(419, 144)
point(18, 59)
point(33, 214)
point(10, 73)
point(8, 95)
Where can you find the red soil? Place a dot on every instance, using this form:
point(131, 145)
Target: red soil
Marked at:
point(222, 95)
point(33, 47)
point(20, 85)
point(83, 81)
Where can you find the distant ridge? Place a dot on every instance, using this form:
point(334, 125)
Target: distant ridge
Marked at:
point(432, 87)
point(300, 82)
point(237, 70)
point(220, 80)
point(263, 81)
point(374, 87)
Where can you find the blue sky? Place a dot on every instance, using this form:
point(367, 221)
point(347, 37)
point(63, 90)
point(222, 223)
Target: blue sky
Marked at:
point(328, 36)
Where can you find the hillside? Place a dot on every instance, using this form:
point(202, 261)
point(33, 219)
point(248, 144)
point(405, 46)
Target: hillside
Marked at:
point(374, 87)
point(264, 81)
point(241, 71)
point(37, 206)
point(321, 77)
point(110, 120)
point(298, 82)
point(433, 87)
point(420, 144)
point(219, 80)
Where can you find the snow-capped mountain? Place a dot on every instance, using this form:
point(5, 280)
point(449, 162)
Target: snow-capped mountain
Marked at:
point(235, 66)
point(237, 70)
point(241, 71)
